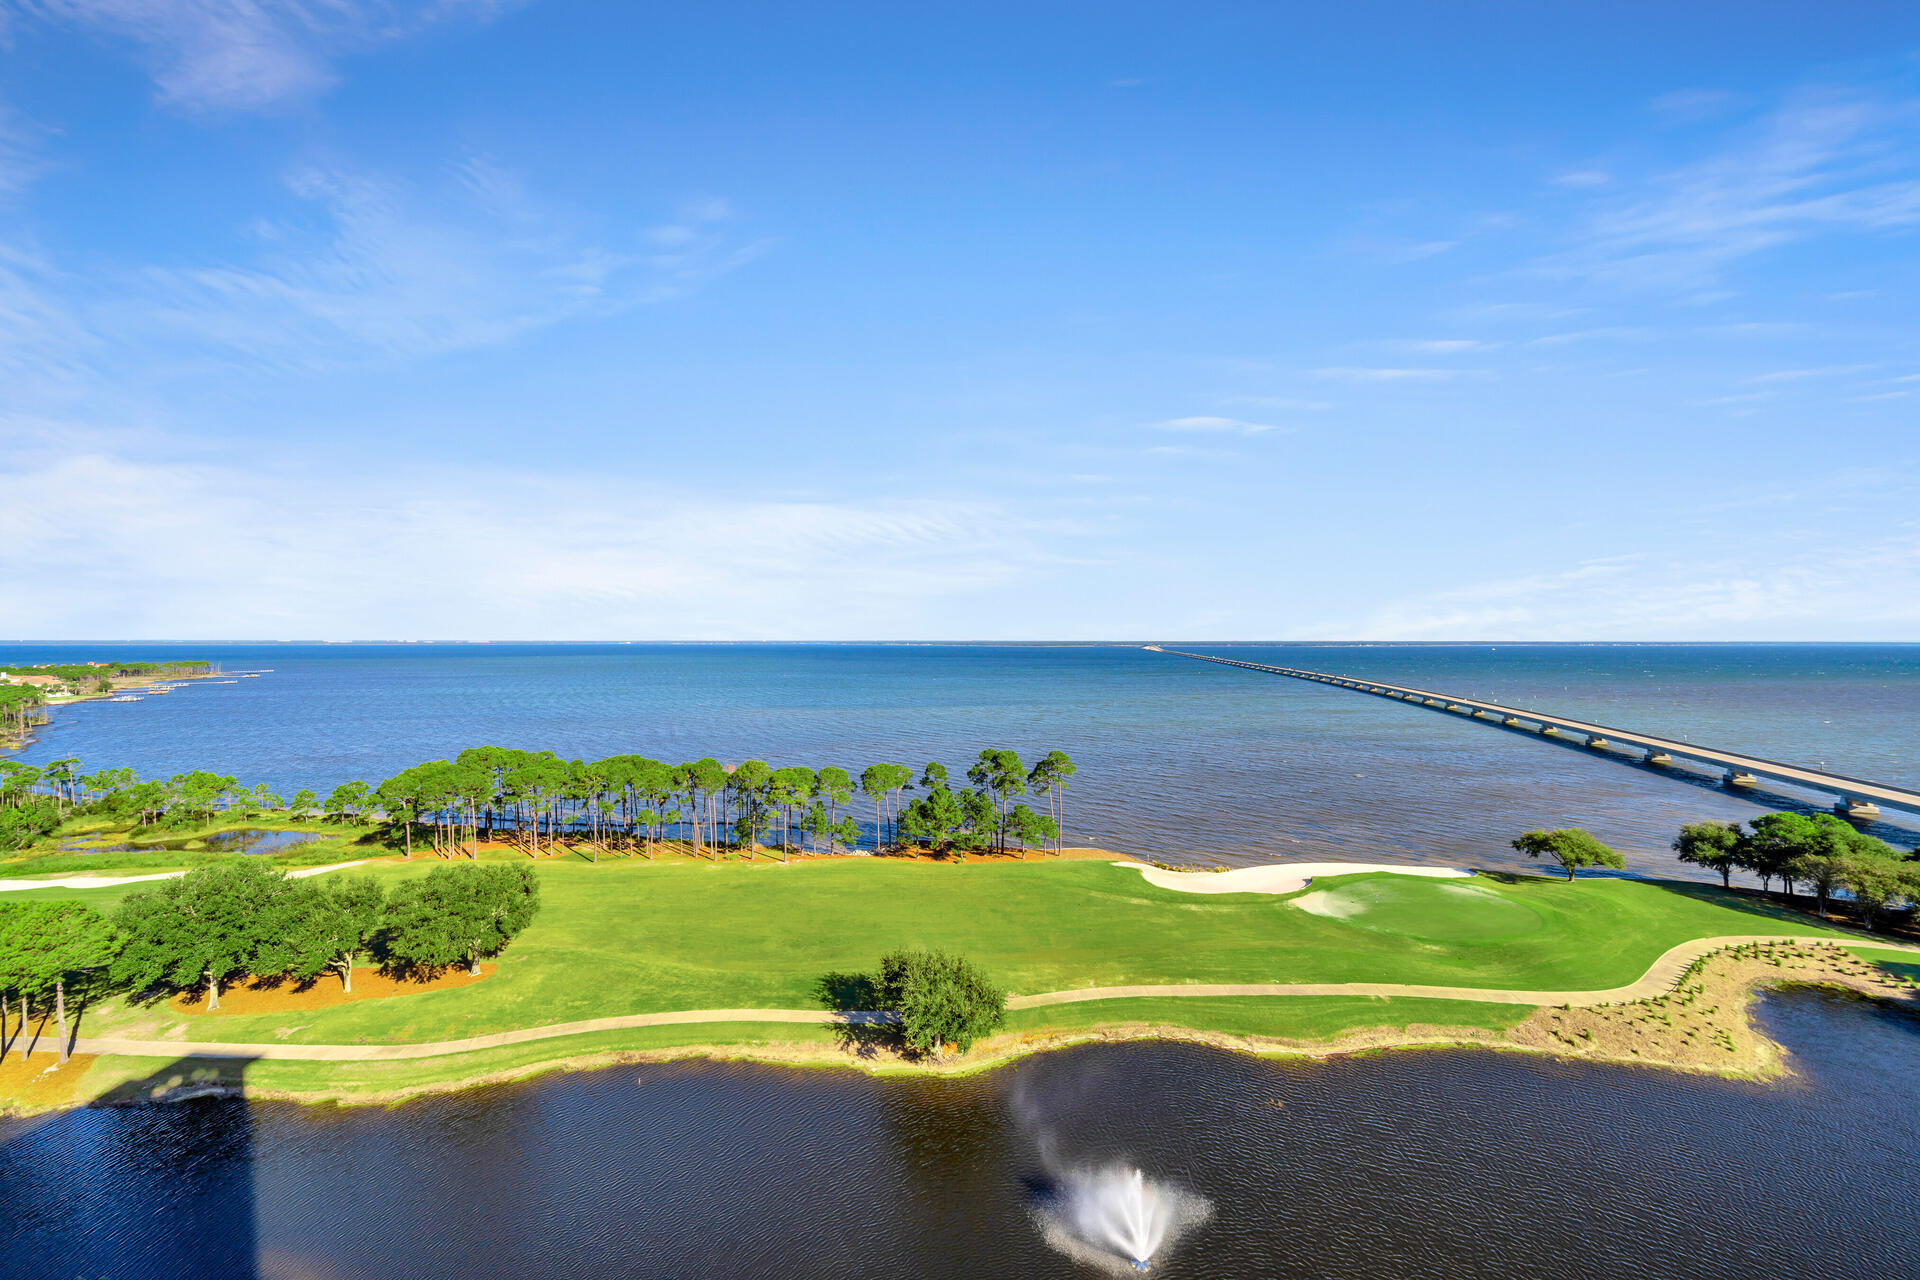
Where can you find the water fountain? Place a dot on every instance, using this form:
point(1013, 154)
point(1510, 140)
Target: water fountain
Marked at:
point(1114, 1218)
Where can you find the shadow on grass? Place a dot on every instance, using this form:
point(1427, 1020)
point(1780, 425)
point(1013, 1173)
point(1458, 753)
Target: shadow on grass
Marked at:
point(864, 1028)
point(1800, 909)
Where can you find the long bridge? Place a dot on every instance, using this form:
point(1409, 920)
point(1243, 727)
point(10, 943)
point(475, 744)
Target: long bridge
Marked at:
point(1858, 798)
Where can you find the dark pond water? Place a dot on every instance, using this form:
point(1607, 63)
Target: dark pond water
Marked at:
point(250, 840)
point(1408, 1165)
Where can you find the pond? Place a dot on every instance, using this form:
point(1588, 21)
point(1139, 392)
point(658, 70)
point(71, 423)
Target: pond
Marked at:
point(1414, 1165)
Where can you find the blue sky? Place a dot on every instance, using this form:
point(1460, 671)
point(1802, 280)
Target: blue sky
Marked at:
point(341, 319)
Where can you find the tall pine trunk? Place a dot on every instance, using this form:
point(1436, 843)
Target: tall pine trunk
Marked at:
point(60, 1013)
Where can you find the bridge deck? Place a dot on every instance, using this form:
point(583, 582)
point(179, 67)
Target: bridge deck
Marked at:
point(1854, 790)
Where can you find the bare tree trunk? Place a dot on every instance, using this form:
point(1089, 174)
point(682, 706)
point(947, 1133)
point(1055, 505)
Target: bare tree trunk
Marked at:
point(213, 992)
point(60, 1014)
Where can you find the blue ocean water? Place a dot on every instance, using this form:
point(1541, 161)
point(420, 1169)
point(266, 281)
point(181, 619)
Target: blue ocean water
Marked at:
point(1180, 760)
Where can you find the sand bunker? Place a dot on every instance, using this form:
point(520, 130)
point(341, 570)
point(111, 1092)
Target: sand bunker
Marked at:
point(1279, 877)
point(1334, 906)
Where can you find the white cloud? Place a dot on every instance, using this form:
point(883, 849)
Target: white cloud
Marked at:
point(21, 159)
point(247, 54)
point(1417, 251)
point(1293, 403)
point(1691, 104)
point(270, 549)
point(1231, 425)
point(1827, 161)
point(1446, 346)
point(1358, 373)
point(379, 278)
point(1803, 375)
point(1853, 591)
point(1605, 333)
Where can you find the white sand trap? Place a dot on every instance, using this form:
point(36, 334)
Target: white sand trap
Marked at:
point(1334, 906)
point(1279, 877)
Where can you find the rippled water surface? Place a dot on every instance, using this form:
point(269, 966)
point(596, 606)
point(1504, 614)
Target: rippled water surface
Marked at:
point(1446, 1164)
point(1178, 759)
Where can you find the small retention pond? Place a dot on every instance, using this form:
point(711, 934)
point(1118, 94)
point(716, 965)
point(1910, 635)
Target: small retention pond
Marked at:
point(251, 840)
point(1419, 1166)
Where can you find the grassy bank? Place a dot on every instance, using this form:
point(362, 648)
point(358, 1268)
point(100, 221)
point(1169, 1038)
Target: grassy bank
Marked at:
point(632, 937)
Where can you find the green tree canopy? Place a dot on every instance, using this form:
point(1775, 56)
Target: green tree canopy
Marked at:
point(204, 928)
point(998, 773)
point(1027, 828)
point(1879, 884)
point(45, 944)
point(882, 784)
point(942, 999)
point(460, 912)
point(1717, 846)
point(1571, 847)
point(323, 924)
point(1779, 840)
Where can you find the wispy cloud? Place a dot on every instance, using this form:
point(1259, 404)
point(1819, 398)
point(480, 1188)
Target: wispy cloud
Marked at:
point(1771, 593)
point(277, 550)
point(390, 272)
point(1228, 425)
point(1691, 104)
point(247, 54)
point(1604, 333)
point(21, 159)
point(1827, 161)
point(1583, 178)
point(1363, 373)
point(1445, 346)
point(1294, 404)
point(1803, 375)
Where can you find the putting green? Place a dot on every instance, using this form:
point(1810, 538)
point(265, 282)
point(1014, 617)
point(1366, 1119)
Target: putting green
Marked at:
point(1464, 912)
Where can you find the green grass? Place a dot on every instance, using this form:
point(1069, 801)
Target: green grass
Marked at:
point(627, 936)
point(1291, 1018)
point(1303, 1019)
point(1405, 906)
point(1899, 963)
point(119, 1077)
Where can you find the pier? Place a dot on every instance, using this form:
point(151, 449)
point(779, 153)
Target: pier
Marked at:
point(1855, 798)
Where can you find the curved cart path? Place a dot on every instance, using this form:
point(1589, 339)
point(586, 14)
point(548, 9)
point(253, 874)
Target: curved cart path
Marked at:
point(108, 882)
point(1659, 979)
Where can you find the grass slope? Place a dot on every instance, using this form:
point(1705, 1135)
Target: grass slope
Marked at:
point(632, 937)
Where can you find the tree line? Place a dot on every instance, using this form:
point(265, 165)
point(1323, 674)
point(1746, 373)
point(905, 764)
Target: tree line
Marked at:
point(630, 804)
point(212, 926)
point(20, 710)
point(1820, 851)
point(625, 803)
point(36, 799)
